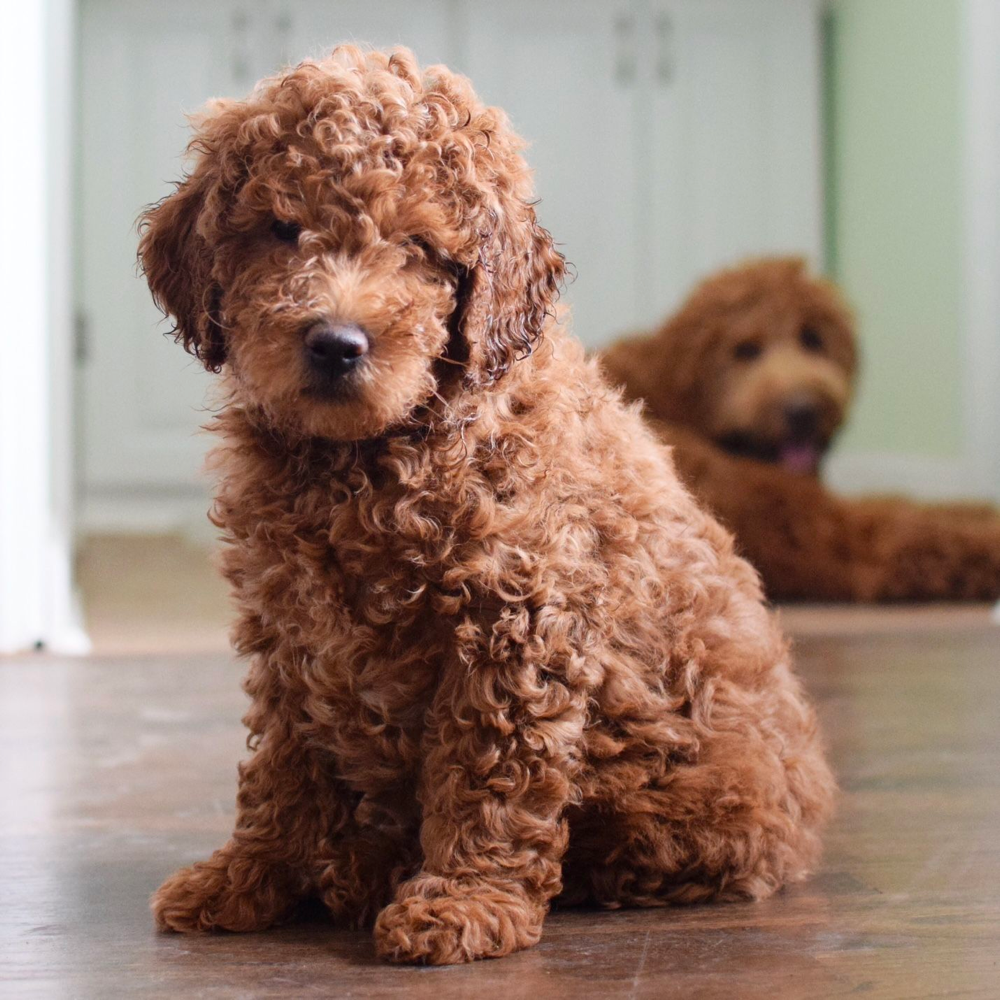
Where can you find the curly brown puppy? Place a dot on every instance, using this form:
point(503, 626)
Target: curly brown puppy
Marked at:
point(750, 382)
point(498, 653)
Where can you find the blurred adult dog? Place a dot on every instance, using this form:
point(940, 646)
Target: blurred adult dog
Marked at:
point(497, 651)
point(750, 382)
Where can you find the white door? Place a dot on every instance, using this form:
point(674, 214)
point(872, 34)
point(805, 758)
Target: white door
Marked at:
point(734, 144)
point(565, 71)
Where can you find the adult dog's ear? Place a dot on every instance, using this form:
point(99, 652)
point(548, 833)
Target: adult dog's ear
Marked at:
point(177, 263)
point(510, 292)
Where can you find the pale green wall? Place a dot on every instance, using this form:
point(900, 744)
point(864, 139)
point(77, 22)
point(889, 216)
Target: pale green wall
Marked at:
point(893, 215)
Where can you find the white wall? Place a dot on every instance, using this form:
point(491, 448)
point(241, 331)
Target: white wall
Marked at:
point(913, 227)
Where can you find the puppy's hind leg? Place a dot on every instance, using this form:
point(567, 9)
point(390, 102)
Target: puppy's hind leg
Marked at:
point(738, 821)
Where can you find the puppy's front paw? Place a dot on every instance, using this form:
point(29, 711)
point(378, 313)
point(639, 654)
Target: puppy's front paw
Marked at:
point(224, 893)
point(439, 921)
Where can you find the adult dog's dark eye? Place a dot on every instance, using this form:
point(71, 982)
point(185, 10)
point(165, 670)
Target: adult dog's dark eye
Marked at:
point(747, 350)
point(810, 339)
point(287, 232)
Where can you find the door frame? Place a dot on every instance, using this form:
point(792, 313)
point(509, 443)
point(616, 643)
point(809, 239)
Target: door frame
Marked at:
point(980, 41)
point(37, 61)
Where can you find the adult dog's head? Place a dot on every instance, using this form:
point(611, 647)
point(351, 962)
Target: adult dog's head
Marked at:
point(760, 359)
point(354, 240)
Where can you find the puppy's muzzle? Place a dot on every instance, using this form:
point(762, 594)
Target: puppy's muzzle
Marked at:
point(334, 350)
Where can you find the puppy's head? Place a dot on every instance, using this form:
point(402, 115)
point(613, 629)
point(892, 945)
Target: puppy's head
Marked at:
point(761, 359)
point(354, 239)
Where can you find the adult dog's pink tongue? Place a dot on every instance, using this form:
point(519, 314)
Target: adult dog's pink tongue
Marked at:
point(799, 457)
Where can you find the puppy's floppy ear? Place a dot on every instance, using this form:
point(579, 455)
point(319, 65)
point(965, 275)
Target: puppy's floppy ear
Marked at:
point(177, 263)
point(510, 291)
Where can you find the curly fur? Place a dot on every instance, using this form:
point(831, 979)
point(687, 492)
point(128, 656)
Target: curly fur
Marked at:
point(498, 654)
point(722, 411)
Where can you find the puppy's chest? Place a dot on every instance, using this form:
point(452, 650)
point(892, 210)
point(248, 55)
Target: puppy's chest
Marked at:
point(357, 585)
point(358, 612)
point(369, 712)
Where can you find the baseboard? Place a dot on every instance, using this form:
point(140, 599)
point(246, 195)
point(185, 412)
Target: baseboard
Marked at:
point(922, 477)
point(138, 513)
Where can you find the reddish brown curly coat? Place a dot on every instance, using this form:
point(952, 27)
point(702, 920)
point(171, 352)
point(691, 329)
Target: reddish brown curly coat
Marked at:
point(497, 651)
point(806, 541)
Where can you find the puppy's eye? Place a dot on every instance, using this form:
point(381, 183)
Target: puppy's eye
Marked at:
point(419, 243)
point(747, 350)
point(810, 339)
point(287, 232)
point(434, 264)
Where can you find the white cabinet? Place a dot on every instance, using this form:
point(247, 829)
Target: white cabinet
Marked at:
point(667, 136)
point(733, 163)
point(140, 398)
point(311, 28)
point(564, 72)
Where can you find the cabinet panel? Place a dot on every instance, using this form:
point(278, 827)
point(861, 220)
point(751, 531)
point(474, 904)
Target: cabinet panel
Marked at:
point(143, 69)
point(311, 28)
point(734, 158)
point(565, 73)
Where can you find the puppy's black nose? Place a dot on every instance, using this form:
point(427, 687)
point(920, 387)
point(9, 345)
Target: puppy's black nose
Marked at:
point(802, 415)
point(335, 349)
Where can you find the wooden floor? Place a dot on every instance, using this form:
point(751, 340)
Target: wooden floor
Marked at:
point(114, 771)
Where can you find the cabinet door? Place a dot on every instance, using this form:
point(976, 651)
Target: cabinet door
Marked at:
point(143, 67)
point(734, 149)
point(565, 72)
point(311, 28)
